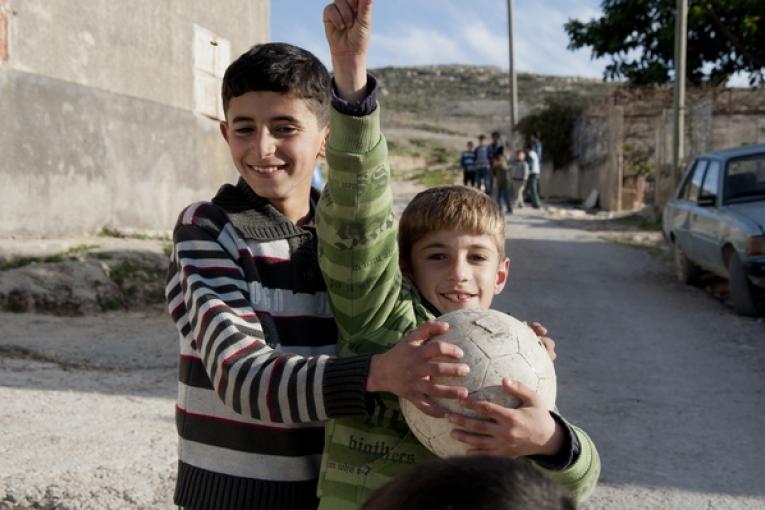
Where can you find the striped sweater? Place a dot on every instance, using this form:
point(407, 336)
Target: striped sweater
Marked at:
point(256, 377)
point(374, 306)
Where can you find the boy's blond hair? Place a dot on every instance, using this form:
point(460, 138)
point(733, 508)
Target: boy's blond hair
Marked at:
point(457, 208)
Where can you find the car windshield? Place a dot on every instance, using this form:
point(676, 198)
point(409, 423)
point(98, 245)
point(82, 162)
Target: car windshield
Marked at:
point(745, 179)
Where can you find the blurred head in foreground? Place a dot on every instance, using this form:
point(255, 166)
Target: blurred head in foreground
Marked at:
point(471, 483)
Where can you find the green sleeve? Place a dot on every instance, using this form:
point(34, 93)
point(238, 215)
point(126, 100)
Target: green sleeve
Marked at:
point(358, 252)
point(582, 476)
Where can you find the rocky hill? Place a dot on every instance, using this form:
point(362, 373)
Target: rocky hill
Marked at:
point(429, 112)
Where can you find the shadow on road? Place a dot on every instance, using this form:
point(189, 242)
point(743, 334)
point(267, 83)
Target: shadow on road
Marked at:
point(670, 384)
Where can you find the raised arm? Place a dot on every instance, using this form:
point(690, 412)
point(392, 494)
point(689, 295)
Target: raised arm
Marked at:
point(358, 251)
point(356, 226)
point(348, 27)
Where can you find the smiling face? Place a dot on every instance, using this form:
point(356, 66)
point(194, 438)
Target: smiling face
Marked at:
point(275, 140)
point(455, 270)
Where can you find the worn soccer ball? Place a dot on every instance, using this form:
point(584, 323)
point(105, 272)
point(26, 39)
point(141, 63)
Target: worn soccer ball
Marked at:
point(495, 345)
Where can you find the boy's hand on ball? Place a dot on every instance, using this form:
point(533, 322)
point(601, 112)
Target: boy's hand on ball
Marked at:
point(548, 342)
point(528, 429)
point(407, 368)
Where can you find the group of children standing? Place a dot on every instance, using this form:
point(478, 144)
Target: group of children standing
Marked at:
point(506, 178)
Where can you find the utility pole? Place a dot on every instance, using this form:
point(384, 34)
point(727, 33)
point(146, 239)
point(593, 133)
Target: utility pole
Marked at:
point(513, 83)
point(681, 39)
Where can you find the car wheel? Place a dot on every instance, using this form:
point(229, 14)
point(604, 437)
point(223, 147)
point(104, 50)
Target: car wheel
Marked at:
point(741, 291)
point(686, 271)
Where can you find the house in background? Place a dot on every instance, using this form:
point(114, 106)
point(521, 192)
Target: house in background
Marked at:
point(109, 110)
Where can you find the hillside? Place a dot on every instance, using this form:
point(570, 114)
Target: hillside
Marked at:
point(429, 112)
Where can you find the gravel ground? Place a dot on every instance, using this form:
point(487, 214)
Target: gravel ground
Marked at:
point(87, 414)
point(665, 377)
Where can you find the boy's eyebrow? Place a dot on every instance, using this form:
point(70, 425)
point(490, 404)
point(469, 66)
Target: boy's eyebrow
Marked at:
point(437, 244)
point(434, 244)
point(279, 118)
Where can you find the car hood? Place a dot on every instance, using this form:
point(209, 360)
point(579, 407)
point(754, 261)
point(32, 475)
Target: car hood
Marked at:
point(752, 211)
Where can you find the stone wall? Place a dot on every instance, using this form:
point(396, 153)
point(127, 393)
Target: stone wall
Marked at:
point(636, 125)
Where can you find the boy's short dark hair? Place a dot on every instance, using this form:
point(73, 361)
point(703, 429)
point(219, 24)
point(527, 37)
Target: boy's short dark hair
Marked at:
point(282, 68)
point(471, 483)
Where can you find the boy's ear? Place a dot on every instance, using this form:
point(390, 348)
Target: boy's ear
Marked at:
point(224, 130)
point(503, 272)
point(323, 148)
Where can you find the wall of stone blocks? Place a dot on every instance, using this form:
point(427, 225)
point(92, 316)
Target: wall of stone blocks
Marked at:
point(715, 119)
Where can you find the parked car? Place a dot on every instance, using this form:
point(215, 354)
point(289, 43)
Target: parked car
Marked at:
point(716, 222)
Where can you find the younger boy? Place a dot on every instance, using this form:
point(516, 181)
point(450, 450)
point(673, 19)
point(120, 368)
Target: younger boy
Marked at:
point(244, 289)
point(452, 253)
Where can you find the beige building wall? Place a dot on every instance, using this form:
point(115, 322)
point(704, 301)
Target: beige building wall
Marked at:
point(110, 110)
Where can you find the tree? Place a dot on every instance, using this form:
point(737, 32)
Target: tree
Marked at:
point(724, 37)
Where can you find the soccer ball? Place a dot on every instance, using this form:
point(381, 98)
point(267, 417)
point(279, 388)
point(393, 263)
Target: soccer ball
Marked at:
point(495, 345)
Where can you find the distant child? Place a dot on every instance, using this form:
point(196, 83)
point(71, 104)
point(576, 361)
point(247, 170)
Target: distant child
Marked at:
point(496, 147)
point(478, 482)
point(535, 172)
point(467, 162)
point(257, 377)
point(452, 242)
point(520, 176)
point(502, 182)
point(483, 165)
point(536, 144)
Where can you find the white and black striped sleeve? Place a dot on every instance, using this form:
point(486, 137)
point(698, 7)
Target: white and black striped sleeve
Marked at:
point(208, 299)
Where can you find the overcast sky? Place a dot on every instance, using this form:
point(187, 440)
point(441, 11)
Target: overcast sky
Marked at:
point(421, 32)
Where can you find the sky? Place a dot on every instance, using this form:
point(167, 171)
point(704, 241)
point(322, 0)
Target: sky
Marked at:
point(426, 32)
point(423, 32)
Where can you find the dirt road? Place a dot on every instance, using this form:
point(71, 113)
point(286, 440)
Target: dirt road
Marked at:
point(87, 411)
point(667, 380)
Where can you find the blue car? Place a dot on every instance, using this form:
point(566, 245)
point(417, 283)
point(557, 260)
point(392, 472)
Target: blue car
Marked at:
point(716, 223)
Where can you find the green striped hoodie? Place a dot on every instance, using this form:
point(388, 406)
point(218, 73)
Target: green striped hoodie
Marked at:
point(374, 306)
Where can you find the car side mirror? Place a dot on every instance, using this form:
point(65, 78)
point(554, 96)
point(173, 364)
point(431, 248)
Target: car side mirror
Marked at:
point(707, 201)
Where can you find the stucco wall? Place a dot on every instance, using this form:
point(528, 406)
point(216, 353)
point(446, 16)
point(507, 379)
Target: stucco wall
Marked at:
point(99, 121)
